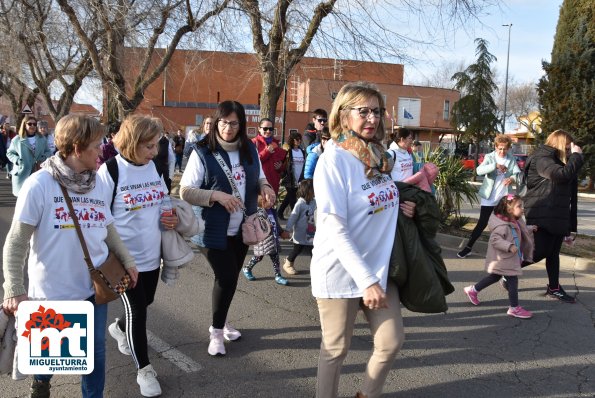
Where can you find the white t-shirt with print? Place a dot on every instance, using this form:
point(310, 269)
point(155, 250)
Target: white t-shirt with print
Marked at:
point(298, 163)
point(370, 208)
point(137, 210)
point(57, 269)
point(403, 167)
point(194, 174)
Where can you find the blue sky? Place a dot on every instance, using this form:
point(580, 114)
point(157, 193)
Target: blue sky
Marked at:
point(531, 39)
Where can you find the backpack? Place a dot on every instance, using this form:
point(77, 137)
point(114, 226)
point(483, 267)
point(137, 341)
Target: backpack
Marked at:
point(112, 169)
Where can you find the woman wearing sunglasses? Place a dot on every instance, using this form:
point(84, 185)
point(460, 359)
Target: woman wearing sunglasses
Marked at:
point(26, 152)
point(270, 153)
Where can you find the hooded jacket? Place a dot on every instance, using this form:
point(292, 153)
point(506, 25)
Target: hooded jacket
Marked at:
point(552, 186)
point(499, 259)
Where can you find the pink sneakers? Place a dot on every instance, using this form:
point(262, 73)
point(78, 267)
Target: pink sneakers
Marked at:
point(472, 294)
point(519, 312)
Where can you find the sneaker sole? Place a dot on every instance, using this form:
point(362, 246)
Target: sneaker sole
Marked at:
point(559, 299)
point(520, 317)
point(230, 340)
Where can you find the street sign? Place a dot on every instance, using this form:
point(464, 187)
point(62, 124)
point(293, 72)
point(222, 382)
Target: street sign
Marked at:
point(26, 109)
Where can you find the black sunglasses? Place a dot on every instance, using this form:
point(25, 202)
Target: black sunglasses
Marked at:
point(31, 124)
point(267, 128)
point(322, 120)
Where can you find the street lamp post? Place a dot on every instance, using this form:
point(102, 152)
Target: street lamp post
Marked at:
point(506, 81)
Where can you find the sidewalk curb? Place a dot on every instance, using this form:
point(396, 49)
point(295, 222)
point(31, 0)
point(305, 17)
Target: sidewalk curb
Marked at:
point(477, 184)
point(480, 249)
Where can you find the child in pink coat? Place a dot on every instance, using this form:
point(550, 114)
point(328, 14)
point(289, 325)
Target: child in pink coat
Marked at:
point(511, 242)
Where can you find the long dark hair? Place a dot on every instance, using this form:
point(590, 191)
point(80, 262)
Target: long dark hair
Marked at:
point(225, 109)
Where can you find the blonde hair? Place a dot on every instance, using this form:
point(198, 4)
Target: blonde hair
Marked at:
point(23, 128)
point(351, 94)
point(503, 139)
point(558, 139)
point(76, 131)
point(136, 130)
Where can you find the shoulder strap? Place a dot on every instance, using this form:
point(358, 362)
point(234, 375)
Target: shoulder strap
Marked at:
point(78, 229)
point(227, 172)
point(112, 169)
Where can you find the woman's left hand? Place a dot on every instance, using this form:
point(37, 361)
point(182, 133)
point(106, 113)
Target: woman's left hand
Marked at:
point(507, 181)
point(169, 222)
point(268, 196)
point(408, 208)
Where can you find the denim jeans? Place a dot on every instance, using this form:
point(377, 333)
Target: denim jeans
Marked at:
point(92, 384)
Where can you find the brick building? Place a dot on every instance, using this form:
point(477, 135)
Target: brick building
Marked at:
point(196, 81)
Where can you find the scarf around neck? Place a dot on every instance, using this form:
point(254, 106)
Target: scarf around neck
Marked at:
point(229, 146)
point(80, 183)
point(372, 154)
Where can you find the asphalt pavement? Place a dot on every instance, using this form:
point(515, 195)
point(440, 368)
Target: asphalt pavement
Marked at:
point(468, 351)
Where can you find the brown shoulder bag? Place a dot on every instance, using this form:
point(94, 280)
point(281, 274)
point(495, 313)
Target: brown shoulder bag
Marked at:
point(110, 279)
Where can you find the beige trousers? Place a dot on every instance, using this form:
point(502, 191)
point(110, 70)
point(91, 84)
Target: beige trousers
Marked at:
point(337, 319)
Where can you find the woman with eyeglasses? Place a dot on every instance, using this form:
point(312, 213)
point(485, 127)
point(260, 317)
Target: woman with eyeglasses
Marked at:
point(358, 206)
point(500, 170)
point(26, 152)
point(205, 183)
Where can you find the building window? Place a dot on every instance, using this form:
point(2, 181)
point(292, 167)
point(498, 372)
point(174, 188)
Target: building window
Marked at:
point(446, 115)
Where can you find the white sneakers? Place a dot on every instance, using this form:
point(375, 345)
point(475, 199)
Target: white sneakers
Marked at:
point(217, 337)
point(120, 337)
point(216, 346)
point(147, 380)
point(230, 334)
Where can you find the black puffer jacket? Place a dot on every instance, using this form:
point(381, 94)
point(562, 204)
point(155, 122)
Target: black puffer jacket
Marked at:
point(551, 198)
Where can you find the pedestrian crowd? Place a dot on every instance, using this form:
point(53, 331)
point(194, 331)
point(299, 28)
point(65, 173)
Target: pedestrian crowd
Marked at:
point(347, 201)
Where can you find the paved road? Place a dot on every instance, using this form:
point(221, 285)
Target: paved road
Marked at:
point(585, 214)
point(469, 351)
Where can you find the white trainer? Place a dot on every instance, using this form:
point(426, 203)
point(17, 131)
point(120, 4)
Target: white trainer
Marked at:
point(230, 333)
point(120, 337)
point(216, 345)
point(147, 380)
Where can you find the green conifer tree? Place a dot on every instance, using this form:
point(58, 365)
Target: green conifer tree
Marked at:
point(567, 90)
point(475, 114)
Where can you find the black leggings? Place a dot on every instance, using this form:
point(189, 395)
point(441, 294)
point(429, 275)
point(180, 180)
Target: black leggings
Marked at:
point(289, 200)
point(297, 249)
point(513, 286)
point(226, 265)
point(548, 246)
point(134, 319)
point(484, 216)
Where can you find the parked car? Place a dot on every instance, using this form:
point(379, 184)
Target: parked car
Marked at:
point(521, 159)
point(469, 163)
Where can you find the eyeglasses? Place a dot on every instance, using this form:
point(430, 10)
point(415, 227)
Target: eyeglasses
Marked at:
point(502, 149)
point(31, 124)
point(224, 123)
point(364, 112)
point(322, 120)
point(267, 128)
